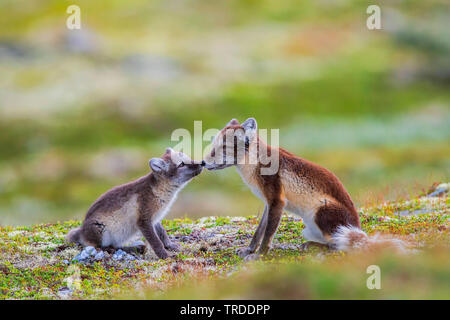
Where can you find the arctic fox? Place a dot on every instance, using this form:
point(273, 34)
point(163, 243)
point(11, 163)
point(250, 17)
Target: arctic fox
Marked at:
point(298, 186)
point(138, 206)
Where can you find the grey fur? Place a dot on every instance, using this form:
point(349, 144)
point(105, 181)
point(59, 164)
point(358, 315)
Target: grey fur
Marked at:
point(138, 207)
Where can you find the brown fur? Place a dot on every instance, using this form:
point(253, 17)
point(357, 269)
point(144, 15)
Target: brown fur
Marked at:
point(356, 239)
point(299, 186)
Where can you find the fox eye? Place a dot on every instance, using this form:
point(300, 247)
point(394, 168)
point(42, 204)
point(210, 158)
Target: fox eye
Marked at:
point(181, 165)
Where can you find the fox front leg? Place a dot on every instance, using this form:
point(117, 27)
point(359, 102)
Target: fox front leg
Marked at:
point(153, 239)
point(273, 220)
point(256, 240)
point(169, 245)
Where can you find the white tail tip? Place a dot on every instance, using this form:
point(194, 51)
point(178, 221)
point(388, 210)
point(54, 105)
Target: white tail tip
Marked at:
point(349, 237)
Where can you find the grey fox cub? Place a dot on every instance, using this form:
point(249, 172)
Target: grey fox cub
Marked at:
point(138, 206)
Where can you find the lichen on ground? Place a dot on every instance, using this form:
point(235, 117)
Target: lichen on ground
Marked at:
point(36, 263)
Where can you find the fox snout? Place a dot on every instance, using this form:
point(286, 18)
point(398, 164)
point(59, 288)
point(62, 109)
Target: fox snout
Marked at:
point(196, 167)
point(200, 164)
point(211, 164)
point(214, 166)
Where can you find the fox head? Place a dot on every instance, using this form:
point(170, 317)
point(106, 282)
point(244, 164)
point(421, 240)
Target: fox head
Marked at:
point(231, 145)
point(176, 167)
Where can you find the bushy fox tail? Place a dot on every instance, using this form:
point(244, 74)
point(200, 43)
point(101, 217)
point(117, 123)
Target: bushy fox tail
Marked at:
point(348, 237)
point(74, 236)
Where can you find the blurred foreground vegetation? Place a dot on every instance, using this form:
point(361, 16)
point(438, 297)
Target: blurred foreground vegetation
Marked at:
point(423, 276)
point(84, 110)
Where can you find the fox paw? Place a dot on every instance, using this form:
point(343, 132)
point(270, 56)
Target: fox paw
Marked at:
point(253, 257)
point(173, 246)
point(244, 252)
point(163, 254)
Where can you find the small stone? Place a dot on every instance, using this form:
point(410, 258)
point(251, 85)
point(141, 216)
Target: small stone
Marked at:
point(119, 255)
point(121, 252)
point(83, 255)
point(99, 256)
point(77, 258)
point(130, 257)
point(90, 250)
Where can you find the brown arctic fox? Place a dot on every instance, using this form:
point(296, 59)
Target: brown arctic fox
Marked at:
point(138, 206)
point(297, 185)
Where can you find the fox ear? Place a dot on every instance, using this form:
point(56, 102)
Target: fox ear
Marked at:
point(233, 122)
point(158, 164)
point(250, 125)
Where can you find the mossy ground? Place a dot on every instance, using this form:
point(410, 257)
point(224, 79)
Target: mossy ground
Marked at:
point(33, 261)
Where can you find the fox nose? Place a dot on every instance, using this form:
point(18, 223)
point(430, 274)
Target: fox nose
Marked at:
point(203, 163)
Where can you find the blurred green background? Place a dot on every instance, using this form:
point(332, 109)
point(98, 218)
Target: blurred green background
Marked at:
point(84, 110)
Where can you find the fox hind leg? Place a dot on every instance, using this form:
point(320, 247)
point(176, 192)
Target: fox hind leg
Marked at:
point(74, 236)
point(330, 217)
point(313, 237)
point(88, 234)
point(92, 234)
